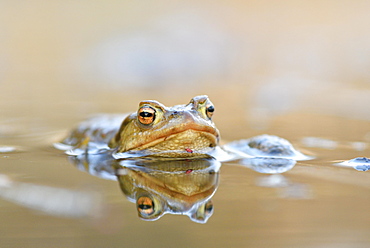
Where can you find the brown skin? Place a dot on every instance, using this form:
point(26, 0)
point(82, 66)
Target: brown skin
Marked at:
point(181, 130)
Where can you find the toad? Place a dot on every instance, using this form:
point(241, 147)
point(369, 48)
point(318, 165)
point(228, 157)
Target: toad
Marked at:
point(181, 131)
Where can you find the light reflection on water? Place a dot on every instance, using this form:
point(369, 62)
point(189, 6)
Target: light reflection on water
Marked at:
point(50, 200)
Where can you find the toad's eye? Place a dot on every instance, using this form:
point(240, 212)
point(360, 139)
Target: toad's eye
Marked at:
point(145, 206)
point(209, 111)
point(146, 115)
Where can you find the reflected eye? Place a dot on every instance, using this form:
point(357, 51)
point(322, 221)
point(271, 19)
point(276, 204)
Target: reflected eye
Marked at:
point(208, 208)
point(145, 205)
point(146, 115)
point(209, 111)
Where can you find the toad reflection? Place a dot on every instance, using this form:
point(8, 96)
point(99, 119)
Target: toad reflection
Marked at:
point(173, 186)
point(161, 186)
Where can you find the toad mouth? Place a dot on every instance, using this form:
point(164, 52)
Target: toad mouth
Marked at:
point(184, 136)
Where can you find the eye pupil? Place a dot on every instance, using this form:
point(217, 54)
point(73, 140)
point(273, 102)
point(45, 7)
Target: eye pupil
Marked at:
point(146, 114)
point(211, 109)
point(145, 206)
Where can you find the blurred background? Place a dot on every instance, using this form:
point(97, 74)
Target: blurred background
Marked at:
point(257, 60)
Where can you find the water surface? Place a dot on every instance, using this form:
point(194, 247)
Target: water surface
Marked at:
point(49, 200)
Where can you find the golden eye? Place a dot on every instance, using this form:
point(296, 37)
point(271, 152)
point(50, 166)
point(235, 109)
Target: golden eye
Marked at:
point(146, 115)
point(209, 111)
point(145, 205)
